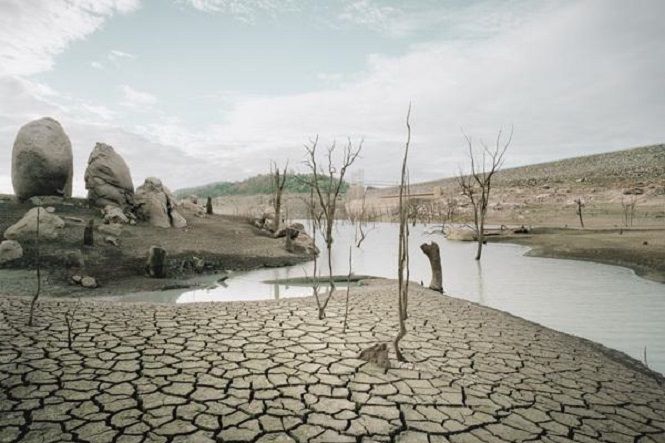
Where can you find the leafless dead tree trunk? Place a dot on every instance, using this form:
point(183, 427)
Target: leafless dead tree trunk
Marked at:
point(70, 316)
point(279, 181)
point(33, 303)
point(477, 185)
point(433, 253)
point(403, 248)
point(578, 210)
point(327, 184)
point(628, 207)
point(348, 288)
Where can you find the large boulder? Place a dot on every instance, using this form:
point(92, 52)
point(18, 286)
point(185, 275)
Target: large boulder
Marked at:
point(10, 250)
point(42, 161)
point(50, 226)
point(107, 178)
point(155, 203)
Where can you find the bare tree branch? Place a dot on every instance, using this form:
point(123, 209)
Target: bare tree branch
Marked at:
point(477, 185)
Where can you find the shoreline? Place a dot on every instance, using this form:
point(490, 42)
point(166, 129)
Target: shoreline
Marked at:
point(599, 246)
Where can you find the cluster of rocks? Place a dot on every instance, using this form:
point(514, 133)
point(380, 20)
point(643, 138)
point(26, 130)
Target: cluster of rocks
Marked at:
point(42, 165)
point(42, 173)
point(85, 281)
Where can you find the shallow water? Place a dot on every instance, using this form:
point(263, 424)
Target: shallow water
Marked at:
point(606, 304)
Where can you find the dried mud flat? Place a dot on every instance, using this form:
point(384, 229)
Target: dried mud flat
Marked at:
point(272, 372)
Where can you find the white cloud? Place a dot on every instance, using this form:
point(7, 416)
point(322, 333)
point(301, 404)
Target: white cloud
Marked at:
point(244, 10)
point(115, 55)
point(32, 32)
point(139, 100)
point(115, 58)
point(582, 78)
point(370, 14)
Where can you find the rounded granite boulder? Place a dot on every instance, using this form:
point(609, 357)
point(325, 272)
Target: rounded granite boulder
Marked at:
point(42, 160)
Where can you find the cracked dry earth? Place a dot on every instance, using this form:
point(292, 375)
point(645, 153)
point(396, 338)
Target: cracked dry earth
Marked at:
point(272, 372)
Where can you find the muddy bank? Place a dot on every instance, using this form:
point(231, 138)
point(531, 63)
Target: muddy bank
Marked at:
point(641, 250)
point(221, 242)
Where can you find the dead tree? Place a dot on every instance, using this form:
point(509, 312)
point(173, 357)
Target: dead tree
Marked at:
point(327, 182)
point(628, 207)
point(403, 248)
point(70, 316)
point(38, 264)
point(433, 254)
point(278, 183)
point(578, 210)
point(477, 185)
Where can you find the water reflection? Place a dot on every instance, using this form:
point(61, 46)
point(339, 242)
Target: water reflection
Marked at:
point(481, 282)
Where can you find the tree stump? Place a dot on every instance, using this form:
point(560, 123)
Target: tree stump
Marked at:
point(155, 265)
point(88, 236)
point(209, 206)
point(432, 252)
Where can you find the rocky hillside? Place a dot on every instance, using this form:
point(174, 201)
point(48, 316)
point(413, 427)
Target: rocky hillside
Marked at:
point(618, 169)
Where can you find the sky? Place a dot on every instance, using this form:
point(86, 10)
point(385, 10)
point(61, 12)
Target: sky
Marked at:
point(197, 91)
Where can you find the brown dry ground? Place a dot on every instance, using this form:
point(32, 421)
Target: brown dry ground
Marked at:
point(556, 233)
point(224, 242)
point(625, 248)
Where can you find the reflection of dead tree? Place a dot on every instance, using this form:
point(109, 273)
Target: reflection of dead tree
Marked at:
point(628, 207)
point(451, 208)
point(403, 249)
point(327, 184)
point(477, 185)
point(278, 183)
point(361, 221)
point(578, 210)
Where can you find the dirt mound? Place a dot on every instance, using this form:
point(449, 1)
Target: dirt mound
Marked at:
point(222, 242)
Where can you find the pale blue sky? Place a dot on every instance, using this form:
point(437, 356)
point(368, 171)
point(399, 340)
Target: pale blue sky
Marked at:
point(194, 91)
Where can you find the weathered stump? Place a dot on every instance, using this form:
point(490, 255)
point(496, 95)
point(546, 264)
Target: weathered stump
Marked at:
point(432, 252)
point(290, 234)
point(209, 206)
point(88, 236)
point(155, 264)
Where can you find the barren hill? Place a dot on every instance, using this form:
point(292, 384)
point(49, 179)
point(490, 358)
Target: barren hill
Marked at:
point(616, 169)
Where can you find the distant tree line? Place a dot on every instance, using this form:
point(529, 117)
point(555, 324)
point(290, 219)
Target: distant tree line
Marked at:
point(259, 184)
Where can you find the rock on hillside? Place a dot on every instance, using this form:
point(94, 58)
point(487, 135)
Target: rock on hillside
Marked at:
point(42, 160)
point(50, 226)
point(155, 203)
point(107, 178)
